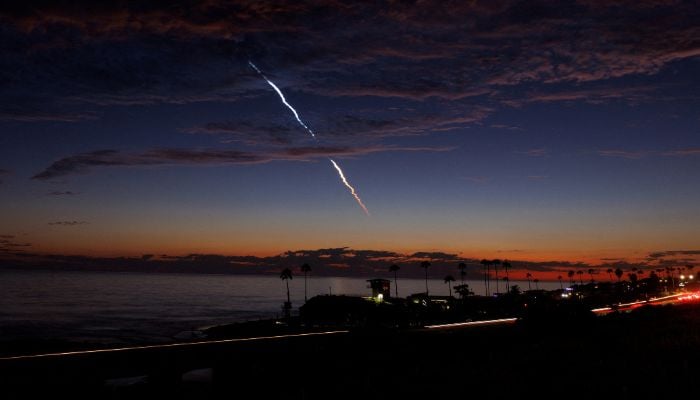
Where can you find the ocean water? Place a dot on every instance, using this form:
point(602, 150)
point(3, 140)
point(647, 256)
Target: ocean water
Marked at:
point(106, 307)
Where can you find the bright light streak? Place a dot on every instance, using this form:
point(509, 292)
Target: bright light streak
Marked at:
point(163, 346)
point(472, 323)
point(296, 115)
point(284, 100)
point(352, 189)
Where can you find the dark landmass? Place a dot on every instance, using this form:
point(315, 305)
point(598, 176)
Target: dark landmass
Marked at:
point(650, 352)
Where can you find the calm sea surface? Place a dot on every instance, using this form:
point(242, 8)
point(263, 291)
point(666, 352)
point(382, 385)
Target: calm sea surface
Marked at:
point(136, 307)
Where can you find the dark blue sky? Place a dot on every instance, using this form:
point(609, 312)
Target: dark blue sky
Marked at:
point(560, 130)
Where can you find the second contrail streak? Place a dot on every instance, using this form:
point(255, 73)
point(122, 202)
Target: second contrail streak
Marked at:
point(352, 189)
point(296, 115)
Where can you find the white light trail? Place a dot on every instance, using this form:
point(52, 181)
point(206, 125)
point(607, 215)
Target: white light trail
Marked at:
point(284, 100)
point(165, 346)
point(352, 189)
point(296, 115)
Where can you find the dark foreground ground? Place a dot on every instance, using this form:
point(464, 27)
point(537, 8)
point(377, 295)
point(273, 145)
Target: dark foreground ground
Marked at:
point(649, 353)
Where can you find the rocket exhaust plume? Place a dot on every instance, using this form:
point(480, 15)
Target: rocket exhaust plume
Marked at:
point(313, 135)
point(284, 101)
point(352, 189)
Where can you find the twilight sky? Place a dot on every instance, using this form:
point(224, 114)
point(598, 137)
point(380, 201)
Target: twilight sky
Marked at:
point(529, 130)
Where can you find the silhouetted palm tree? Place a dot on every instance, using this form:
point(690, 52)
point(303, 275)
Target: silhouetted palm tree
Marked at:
point(537, 281)
point(425, 265)
point(463, 290)
point(496, 263)
point(580, 276)
point(618, 273)
point(590, 273)
point(528, 276)
point(571, 274)
point(507, 265)
point(487, 273)
point(462, 271)
point(448, 280)
point(305, 268)
point(395, 269)
point(610, 271)
point(561, 285)
point(286, 276)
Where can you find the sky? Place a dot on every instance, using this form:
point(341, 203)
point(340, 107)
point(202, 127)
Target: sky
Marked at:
point(548, 133)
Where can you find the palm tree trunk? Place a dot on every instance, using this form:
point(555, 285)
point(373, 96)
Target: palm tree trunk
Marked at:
point(426, 283)
point(507, 281)
point(396, 287)
point(449, 286)
point(305, 291)
point(287, 282)
point(495, 267)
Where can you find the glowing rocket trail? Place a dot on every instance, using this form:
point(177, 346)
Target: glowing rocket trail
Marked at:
point(352, 189)
point(279, 92)
point(296, 115)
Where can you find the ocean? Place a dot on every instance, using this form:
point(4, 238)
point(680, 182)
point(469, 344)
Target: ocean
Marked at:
point(131, 308)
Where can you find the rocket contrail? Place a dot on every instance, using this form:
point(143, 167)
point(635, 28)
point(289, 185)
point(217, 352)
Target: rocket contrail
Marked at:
point(352, 189)
point(296, 115)
point(279, 92)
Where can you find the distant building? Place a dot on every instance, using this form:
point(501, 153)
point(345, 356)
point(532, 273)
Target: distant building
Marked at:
point(381, 288)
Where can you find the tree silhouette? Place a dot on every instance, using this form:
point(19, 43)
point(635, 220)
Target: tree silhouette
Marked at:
point(305, 268)
point(462, 271)
point(463, 290)
point(571, 274)
point(507, 265)
point(395, 269)
point(528, 276)
point(487, 273)
point(618, 273)
point(537, 281)
point(496, 263)
point(448, 280)
point(610, 271)
point(286, 276)
point(561, 285)
point(425, 265)
point(590, 273)
point(580, 276)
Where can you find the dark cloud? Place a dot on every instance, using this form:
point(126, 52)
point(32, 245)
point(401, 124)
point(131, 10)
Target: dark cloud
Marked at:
point(671, 253)
point(62, 193)
point(82, 163)
point(10, 245)
point(78, 53)
point(67, 223)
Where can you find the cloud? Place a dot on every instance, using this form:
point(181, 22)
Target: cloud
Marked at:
point(470, 53)
point(82, 163)
point(683, 152)
point(62, 193)
point(534, 152)
point(67, 223)
point(476, 179)
point(671, 253)
point(9, 244)
point(630, 155)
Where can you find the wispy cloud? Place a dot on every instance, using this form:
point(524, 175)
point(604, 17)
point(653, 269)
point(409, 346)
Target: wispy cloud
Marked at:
point(476, 179)
point(683, 152)
point(62, 193)
point(630, 155)
point(67, 223)
point(534, 152)
point(84, 162)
